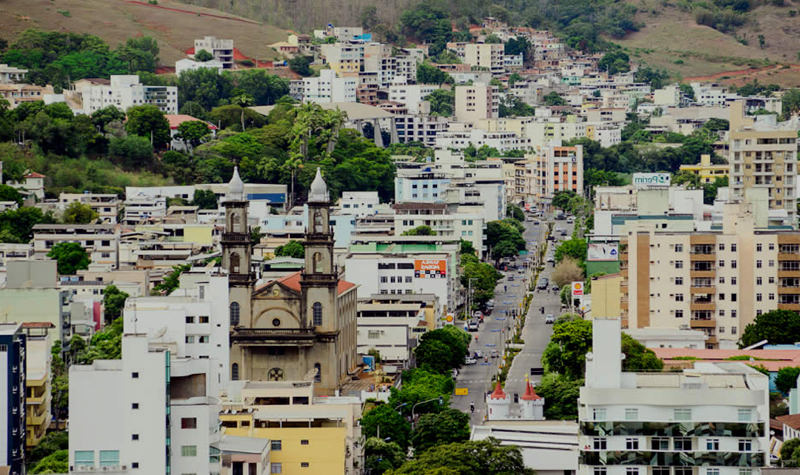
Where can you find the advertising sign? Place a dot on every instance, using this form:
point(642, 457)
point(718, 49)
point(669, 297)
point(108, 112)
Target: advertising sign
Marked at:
point(462, 391)
point(600, 251)
point(430, 268)
point(647, 180)
point(449, 319)
point(577, 289)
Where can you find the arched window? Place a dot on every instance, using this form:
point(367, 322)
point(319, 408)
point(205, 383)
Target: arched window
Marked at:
point(317, 263)
point(235, 372)
point(318, 376)
point(232, 225)
point(234, 313)
point(317, 311)
point(235, 263)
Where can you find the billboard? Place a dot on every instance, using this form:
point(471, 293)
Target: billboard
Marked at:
point(647, 180)
point(600, 251)
point(577, 288)
point(430, 268)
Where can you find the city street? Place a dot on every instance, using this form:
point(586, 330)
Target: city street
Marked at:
point(492, 334)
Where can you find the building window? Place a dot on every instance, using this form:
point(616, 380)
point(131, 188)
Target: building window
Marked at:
point(84, 458)
point(188, 423)
point(318, 374)
point(135, 405)
point(712, 471)
point(733, 264)
point(275, 467)
point(745, 445)
point(660, 470)
point(631, 470)
point(188, 451)
point(712, 444)
point(189, 319)
point(275, 445)
point(659, 443)
point(679, 264)
point(304, 442)
point(682, 414)
point(135, 375)
point(758, 297)
point(758, 264)
point(682, 443)
point(631, 414)
point(235, 371)
point(678, 280)
point(745, 415)
point(632, 443)
point(758, 247)
point(234, 311)
point(678, 313)
point(135, 465)
point(109, 458)
point(599, 443)
point(599, 414)
point(134, 436)
point(679, 297)
point(678, 247)
point(600, 470)
point(758, 280)
point(203, 319)
point(317, 313)
point(303, 464)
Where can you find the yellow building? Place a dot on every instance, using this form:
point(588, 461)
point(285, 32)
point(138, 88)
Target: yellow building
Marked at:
point(307, 434)
point(37, 384)
point(606, 296)
point(199, 234)
point(707, 171)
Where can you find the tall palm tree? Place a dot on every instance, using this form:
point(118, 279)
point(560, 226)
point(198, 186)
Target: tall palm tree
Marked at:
point(243, 100)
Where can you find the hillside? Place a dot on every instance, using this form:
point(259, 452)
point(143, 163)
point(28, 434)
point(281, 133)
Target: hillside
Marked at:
point(671, 39)
point(175, 25)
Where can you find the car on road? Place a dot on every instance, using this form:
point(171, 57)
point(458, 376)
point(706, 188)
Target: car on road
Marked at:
point(551, 260)
point(554, 288)
point(563, 232)
point(470, 361)
point(550, 318)
point(495, 353)
point(511, 277)
point(477, 355)
point(543, 282)
point(472, 326)
point(570, 220)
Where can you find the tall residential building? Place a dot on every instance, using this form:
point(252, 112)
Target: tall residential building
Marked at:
point(126, 91)
point(763, 154)
point(712, 419)
point(12, 397)
point(716, 281)
point(37, 382)
point(301, 326)
point(148, 412)
point(476, 102)
point(329, 88)
point(487, 56)
point(557, 169)
point(344, 57)
point(222, 50)
point(101, 241)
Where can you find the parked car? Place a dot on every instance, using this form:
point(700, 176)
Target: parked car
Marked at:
point(550, 318)
point(511, 277)
point(472, 326)
point(470, 361)
point(477, 355)
point(570, 220)
point(543, 282)
point(563, 232)
point(554, 288)
point(495, 353)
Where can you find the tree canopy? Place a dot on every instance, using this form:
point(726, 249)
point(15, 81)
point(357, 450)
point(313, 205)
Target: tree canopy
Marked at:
point(447, 426)
point(389, 422)
point(777, 326)
point(442, 349)
point(467, 458)
point(79, 213)
point(291, 249)
point(70, 257)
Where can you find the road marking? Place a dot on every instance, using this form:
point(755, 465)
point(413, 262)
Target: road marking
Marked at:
point(491, 344)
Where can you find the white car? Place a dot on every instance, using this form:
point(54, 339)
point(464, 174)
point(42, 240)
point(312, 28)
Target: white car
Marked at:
point(470, 361)
point(550, 318)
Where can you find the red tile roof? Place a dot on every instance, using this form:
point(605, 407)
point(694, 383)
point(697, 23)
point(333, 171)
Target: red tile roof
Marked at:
point(37, 325)
point(292, 281)
point(498, 392)
point(530, 394)
point(177, 119)
point(773, 360)
point(791, 420)
point(35, 175)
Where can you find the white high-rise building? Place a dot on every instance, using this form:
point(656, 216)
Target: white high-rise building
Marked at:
point(329, 88)
point(125, 91)
point(712, 419)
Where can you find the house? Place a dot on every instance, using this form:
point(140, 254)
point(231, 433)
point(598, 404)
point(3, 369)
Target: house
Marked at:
point(175, 120)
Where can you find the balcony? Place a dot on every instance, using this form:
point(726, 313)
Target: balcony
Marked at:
point(788, 256)
point(789, 306)
point(235, 237)
point(702, 289)
point(702, 272)
point(274, 337)
point(788, 289)
point(788, 272)
point(703, 323)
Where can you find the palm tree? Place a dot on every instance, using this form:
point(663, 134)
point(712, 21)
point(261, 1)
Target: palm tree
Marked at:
point(243, 100)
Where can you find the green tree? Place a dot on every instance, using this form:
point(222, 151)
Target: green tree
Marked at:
point(384, 422)
point(243, 101)
point(790, 103)
point(52, 442)
point(514, 211)
point(205, 199)
point(172, 280)
point(484, 277)
point(447, 426)
point(422, 392)
point(420, 231)
point(615, 62)
point(428, 74)
point(203, 56)
point(442, 102)
point(787, 379)
point(573, 248)
point(789, 452)
point(777, 326)
point(562, 198)
point(553, 99)
point(504, 249)
point(301, 65)
point(467, 458)
point(560, 395)
point(264, 88)
point(692, 180)
point(16, 225)
point(204, 86)
point(79, 213)
point(466, 247)
point(442, 349)
point(140, 54)
point(113, 302)
point(56, 462)
point(8, 193)
point(105, 116)
point(148, 121)
point(380, 456)
point(192, 133)
point(70, 256)
point(513, 106)
point(433, 356)
point(132, 152)
point(518, 45)
point(291, 249)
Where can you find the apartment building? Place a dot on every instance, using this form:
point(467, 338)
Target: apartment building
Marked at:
point(12, 397)
point(763, 154)
point(444, 221)
point(101, 241)
point(557, 169)
point(10, 74)
point(487, 56)
point(106, 205)
point(124, 92)
point(390, 328)
point(187, 64)
point(402, 68)
point(37, 381)
point(413, 184)
point(221, 49)
point(329, 87)
point(16, 94)
point(148, 412)
point(410, 95)
point(712, 419)
point(420, 128)
point(143, 208)
point(307, 434)
point(707, 171)
point(476, 102)
point(359, 203)
point(341, 33)
point(462, 139)
point(715, 281)
point(344, 57)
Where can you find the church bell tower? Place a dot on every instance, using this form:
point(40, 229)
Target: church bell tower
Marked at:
point(237, 250)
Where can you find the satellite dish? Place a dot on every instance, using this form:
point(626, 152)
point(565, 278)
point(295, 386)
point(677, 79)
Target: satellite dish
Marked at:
point(160, 332)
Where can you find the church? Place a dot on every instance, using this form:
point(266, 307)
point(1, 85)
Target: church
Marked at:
point(301, 326)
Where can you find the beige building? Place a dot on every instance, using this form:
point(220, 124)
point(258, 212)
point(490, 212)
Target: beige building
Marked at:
point(301, 326)
point(476, 102)
point(101, 241)
point(105, 205)
point(486, 56)
point(557, 169)
point(716, 281)
point(763, 154)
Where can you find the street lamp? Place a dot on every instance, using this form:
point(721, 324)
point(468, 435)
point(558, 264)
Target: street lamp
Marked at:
point(414, 407)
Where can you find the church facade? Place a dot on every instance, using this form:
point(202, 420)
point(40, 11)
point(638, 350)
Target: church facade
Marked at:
point(301, 326)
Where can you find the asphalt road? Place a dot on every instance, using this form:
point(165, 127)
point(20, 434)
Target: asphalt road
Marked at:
point(492, 334)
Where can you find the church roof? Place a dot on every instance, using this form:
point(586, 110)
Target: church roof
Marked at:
point(498, 392)
point(319, 190)
point(292, 281)
point(235, 187)
point(530, 394)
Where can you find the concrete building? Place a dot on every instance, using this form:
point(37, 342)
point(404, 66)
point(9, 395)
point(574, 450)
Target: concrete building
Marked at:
point(420, 128)
point(307, 434)
point(100, 241)
point(343, 57)
point(359, 203)
point(447, 224)
point(329, 87)
point(411, 95)
point(16, 94)
point(125, 91)
point(12, 397)
point(106, 205)
point(462, 139)
point(487, 56)
point(37, 382)
point(222, 50)
point(716, 281)
point(763, 154)
point(148, 412)
point(712, 419)
point(476, 102)
point(10, 74)
point(707, 171)
point(144, 208)
point(390, 328)
point(557, 169)
point(187, 64)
